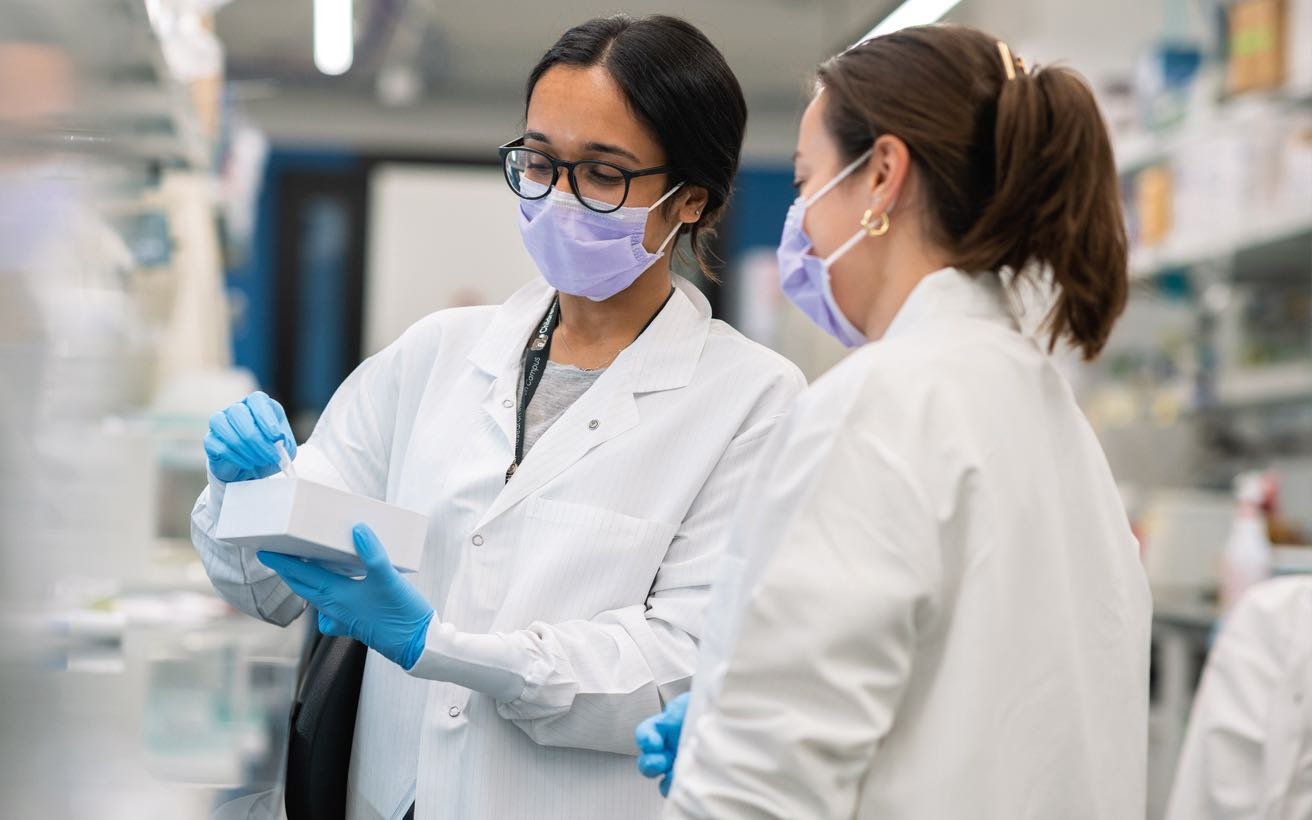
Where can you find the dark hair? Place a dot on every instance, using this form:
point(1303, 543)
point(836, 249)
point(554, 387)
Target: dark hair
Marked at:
point(680, 88)
point(1015, 171)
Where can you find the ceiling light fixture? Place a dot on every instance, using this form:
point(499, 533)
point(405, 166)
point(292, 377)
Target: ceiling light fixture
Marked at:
point(334, 36)
point(911, 13)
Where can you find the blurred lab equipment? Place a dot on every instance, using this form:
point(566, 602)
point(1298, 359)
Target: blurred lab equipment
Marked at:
point(1184, 535)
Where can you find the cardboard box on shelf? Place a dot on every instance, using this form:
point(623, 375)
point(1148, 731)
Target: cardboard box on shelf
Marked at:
point(1152, 189)
point(1256, 36)
point(312, 521)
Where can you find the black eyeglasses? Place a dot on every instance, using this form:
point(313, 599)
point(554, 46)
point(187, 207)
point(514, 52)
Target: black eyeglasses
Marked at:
point(600, 186)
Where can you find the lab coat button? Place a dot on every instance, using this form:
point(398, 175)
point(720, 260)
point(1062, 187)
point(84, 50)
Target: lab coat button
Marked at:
point(507, 403)
point(477, 540)
point(594, 424)
point(454, 711)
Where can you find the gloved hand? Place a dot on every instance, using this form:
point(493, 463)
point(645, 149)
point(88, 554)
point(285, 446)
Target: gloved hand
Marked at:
point(240, 443)
point(382, 610)
point(658, 742)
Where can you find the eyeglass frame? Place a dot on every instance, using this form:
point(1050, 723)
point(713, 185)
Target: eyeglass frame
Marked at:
point(517, 144)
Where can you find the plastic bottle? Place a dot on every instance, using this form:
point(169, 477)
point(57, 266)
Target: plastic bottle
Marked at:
point(1247, 556)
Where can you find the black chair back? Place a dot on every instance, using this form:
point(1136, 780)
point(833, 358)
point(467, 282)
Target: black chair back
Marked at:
point(322, 730)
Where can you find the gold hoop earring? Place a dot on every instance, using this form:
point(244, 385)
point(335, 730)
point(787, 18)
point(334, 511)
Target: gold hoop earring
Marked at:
point(875, 230)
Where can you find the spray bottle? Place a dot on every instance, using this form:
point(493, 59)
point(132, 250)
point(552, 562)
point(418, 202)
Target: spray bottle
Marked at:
point(1247, 556)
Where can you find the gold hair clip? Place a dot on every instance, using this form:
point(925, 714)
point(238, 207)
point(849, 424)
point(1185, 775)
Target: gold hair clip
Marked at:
point(1008, 62)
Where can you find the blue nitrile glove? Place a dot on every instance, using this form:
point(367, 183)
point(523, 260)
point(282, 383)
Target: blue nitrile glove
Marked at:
point(658, 742)
point(381, 610)
point(240, 444)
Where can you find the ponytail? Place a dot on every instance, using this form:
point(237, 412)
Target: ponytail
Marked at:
point(1016, 166)
point(1055, 204)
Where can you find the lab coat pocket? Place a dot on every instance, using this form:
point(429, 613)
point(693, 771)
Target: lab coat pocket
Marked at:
point(591, 559)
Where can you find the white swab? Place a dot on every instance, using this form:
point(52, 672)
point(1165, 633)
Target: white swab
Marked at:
point(284, 460)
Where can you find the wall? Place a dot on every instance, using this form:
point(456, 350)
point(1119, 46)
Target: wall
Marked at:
point(439, 236)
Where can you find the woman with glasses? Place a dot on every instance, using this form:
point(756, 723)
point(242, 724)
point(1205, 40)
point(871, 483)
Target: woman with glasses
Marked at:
point(578, 449)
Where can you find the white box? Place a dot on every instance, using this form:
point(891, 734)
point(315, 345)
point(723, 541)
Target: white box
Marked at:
point(309, 520)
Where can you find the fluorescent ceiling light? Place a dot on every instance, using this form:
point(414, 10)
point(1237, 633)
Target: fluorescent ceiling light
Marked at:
point(334, 36)
point(911, 13)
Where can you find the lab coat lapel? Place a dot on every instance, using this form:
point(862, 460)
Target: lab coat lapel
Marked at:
point(601, 414)
point(663, 358)
point(500, 349)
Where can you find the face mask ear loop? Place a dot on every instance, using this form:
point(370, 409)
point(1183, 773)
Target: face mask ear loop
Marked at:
point(842, 175)
point(661, 250)
point(844, 248)
point(668, 194)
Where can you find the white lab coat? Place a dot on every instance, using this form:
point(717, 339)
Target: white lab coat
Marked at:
point(932, 606)
point(569, 601)
point(1248, 752)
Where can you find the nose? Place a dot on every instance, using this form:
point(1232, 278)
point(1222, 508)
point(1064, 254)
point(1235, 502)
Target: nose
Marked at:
point(562, 182)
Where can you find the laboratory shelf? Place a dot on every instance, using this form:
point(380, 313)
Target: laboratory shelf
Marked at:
point(1142, 149)
point(132, 108)
point(1248, 239)
point(1273, 384)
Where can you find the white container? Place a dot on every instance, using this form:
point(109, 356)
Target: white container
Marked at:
point(1298, 34)
point(1247, 557)
point(309, 520)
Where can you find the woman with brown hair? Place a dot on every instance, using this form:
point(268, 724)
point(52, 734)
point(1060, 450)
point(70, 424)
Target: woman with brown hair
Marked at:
point(932, 605)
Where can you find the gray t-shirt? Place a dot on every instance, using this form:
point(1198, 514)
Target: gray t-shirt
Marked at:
point(561, 386)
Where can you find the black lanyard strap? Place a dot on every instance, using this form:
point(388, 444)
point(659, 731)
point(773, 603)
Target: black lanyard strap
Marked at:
point(535, 365)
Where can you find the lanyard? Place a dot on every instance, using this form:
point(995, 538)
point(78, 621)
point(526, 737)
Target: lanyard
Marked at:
point(535, 365)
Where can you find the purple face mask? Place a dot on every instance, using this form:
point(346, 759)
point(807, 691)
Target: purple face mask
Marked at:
point(584, 253)
point(805, 277)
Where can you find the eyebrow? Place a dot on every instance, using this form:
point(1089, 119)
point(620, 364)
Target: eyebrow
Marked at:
point(591, 147)
point(603, 148)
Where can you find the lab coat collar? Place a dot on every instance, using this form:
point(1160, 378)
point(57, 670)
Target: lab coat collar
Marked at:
point(952, 293)
point(663, 358)
point(501, 346)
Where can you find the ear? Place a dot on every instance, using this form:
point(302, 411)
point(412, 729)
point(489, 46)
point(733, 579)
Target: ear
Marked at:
point(692, 202)
point(887, 171)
